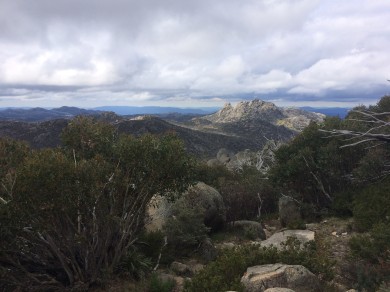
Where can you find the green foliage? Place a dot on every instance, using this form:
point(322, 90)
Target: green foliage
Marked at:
point(374, 247)
point(159, 285)
point(88, 137)
point(313, 168)
point(186, 229)
point(243, 193)
point(76, 211)
point(225, 273)
point(134, 264)
point(372, 205)
point(371, 252)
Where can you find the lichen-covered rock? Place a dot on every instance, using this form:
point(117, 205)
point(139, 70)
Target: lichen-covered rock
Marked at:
point(180, 269)
point(207, 201)
point(295, 277)
point(278, 238)
point(224, 155)
point(157, 211)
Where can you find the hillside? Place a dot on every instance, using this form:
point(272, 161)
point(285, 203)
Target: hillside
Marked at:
point(39, 114)
point(246, 126)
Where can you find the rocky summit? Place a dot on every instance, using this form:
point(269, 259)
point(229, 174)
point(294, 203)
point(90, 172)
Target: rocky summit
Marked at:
point(259, 110)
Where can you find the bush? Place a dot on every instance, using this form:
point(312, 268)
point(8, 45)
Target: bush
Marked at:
point(372, 205)
point(75, 211)
point(372, 253)
point(225, 273)
point(159, 285)
point(186, 229)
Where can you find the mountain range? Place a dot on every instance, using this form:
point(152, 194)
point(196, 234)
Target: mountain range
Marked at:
point(248, 125)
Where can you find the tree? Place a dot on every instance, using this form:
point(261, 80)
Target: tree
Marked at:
point(77, 210)
point(373, 125)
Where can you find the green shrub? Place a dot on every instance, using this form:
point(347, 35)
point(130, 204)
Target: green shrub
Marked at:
point(135, 264)
point(372, 252)
point(372, 205)
point(186, 229)
point(159, 285)
point(225, 273)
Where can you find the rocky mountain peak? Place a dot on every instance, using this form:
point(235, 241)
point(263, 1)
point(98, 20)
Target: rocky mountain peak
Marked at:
point(254, 109)
point(260, 110)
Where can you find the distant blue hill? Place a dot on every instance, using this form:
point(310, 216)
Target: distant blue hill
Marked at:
point(329, 111)
point(134, 110)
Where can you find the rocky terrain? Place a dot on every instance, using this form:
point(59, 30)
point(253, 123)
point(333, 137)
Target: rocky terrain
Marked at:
point(259, 112)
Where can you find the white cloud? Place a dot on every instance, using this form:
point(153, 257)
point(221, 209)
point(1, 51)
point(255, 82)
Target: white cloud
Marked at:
point(176, 49)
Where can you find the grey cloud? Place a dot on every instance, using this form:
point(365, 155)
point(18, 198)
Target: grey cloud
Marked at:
point(187, 51)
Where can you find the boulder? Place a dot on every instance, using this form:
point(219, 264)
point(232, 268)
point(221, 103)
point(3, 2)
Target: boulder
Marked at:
point(250, 226)
point(289, 212)
point(157, 211)
point(278, 238)
point(208, 251)
point(214, 162)
point(295, 277)
point(224, 155)
point(180, 269)
point(207, 201)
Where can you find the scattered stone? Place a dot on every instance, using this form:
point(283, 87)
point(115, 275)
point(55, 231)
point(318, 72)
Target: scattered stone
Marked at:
point(334, 233)
point(296, 277)
point(180, 269)
point(289, 212)
point(250, 226)
point(278, 238)
point(344, 234)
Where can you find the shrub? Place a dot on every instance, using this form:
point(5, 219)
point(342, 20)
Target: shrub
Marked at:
point(372, 205)
point(372, 253)
point(225, 273)
point(76, 211)
point(186, 228)
point(159, 285)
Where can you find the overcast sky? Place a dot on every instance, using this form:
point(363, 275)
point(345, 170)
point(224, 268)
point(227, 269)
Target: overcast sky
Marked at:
point(193, 52)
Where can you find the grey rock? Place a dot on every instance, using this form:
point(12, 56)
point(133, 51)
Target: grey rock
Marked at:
point(208, 251)
point(206, 200)
point(224, 155)
point(295, 277)
point(289, 212)
point(180, 269)
point(246, 224)
point(278, 238)
point(157, 212)
point(214, 162)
